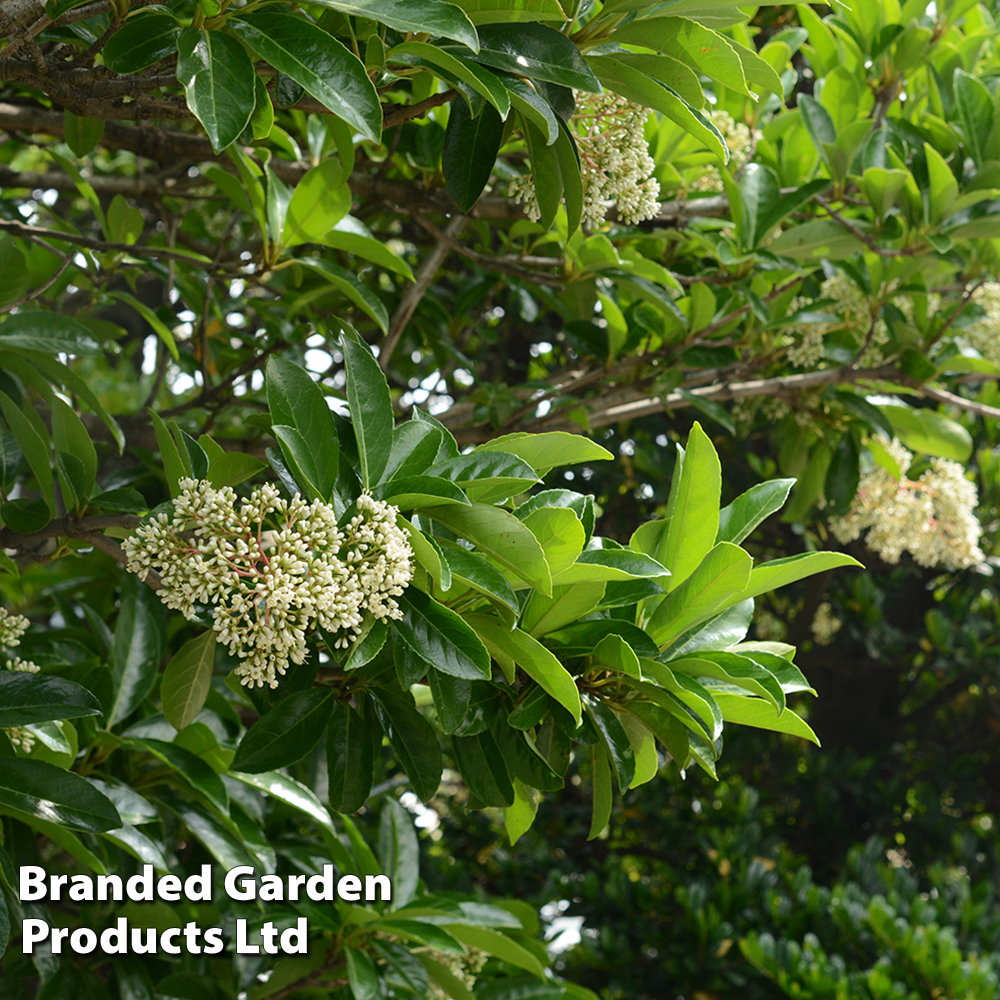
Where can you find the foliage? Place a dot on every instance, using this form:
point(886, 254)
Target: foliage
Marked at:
point(202, 196)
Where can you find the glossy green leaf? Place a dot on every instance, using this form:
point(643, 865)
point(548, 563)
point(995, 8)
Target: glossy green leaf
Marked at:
point(138, 648)
point(499, 535)
point(559, 532)
point(482, 80)
point(780, 572)
point(354, 237)
point(293, 793)
point(33, 446)
point(399, 851)
point(749, 509)
point(219, 83)
point(616, 741)
point(929, 432)
point(538, 52)
point(543, 452)
point(475, 571)
point(519, 816)
point(763, 715)
point(602, 790)
point(362, 976)
point(513, 648)
point(432, 17)
point(220, 842)
point(421, 491)
point(568, 603)
point(57, 796)
point(28, 697)
point(320, 200)
point(498, 944)
point(144, 39)
point(643, 89)
point(412, 739)
point(317, 61)
point(197, 774)
point(610, 565)
point(483, 768)
point(441, 637)
point(187, 679)
point(734, 668)
point(512, 11)
point(470, 151)
point(723, 573)
point(371, 407)
point(285, 734)
point(350, 749)
point(647, 760)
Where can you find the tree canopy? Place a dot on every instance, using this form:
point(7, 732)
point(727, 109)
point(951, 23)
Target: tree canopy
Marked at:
point(409, 389)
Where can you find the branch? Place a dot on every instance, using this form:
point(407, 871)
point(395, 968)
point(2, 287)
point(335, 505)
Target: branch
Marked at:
point(37, 233)
point(416, 291)
point(82, 529)
point(969, 405)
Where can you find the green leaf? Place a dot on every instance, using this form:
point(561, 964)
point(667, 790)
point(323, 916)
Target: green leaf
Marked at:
point(295, 400)
point(513, 648)
point(412, 738)
point(512, 11)
point(616, 740)
point(293, 793)
point(232, 468)
point(70, 437)
point(692, 509)
point(362, 976)
point(518, 817)
point(692, 44)
point(499, 535)
point(219, 83)
point(647, 761)
point(371, 407)
point(495, 943)
point(421, 491)
point(843, 476)
point(780, 572)
point(483, 81)
point(399, 852)
point(349, 285)
point(138, 648)
point(195, 772)
point(432, 17)
point(26, 698)
point(25, 515)
point(353, 236)
point(320, 200)
point(82, 134)
point(544, 452)
point(317, 62)
point(943, 187)
point(470, 151)
point(724, 572)
point(533, 106)
point(475, 571)
point(603, 795)
point(162, 330)
point(546, 173)
point(285, 734)
point(440, 637)
point(145, 38)
point(568, 603)
point(611, 564)
point(681, 694)
point(483, 767)
point(220, 842)
point(975, 111)
point(762, 715)
point(929, 432)
point(49, 793)
point(451, 699)
point(734, 668)
point(187, 679)
point(643, 89)
point(817, 121)
point(559, 532)
point(444, 978)
point(173, 463)
point(749, 509)
point(34, 447)
point(538, 52)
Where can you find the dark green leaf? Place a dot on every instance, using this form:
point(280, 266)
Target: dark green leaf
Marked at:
point(145, 38)
point(350, 755)
point(26, 698)
point(432, 17)
point(315, 60)
point(285, 734)
point(362, 976)
point(843, 476)
point(615, 738)
point(191, 768)
point(483, 768)
point(412, 739)
point(371, 407)
point(538, 52)
point(470, 151)
point(55, 795)
point(24, 515)
point(218, 80)
point(399, 851)
point(451, 699)
point(138, 648)
point(441, 637)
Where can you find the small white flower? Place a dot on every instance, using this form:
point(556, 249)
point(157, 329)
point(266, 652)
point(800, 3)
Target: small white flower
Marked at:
point(272, 586)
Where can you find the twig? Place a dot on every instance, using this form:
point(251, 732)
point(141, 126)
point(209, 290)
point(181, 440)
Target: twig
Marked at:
point(969, 405)
point(416, 291)
point(41, 288)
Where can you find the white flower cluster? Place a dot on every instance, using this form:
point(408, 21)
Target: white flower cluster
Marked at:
point(932, 517)
point(615, 164)
point(983, 333)
point(465, 968)
point(12, 627)
point(274, 570)
point(740, 140)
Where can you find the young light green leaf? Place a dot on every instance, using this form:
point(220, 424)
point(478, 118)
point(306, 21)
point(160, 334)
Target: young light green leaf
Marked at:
point(749, 509)
point(186, 680)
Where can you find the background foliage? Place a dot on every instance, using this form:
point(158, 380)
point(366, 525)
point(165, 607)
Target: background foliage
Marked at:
point(192, 189)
